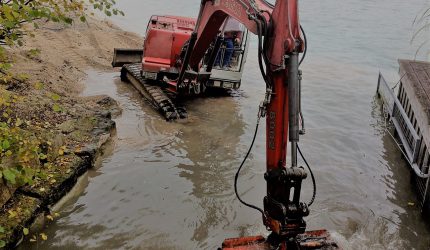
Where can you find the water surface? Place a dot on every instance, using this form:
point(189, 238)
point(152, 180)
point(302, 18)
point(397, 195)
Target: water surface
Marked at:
point(170, 185)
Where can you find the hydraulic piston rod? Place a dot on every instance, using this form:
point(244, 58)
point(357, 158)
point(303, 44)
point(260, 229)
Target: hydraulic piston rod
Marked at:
point(294, 105)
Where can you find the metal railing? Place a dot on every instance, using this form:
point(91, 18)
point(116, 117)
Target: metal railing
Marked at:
point(237, 57)
point(408, 136)
point(421, 188)
point(235, 61)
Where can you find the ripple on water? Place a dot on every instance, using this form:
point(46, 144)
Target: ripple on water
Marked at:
point(169, 185)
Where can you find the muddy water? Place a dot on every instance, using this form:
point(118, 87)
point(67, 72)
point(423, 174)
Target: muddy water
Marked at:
point(169, 185)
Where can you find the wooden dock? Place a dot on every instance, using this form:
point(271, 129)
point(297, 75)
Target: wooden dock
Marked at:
point(408, 110)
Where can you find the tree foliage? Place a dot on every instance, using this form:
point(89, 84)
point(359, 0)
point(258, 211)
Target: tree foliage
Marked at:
point(15, 13)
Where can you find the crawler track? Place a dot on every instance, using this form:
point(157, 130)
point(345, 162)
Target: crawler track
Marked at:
point(154, 94)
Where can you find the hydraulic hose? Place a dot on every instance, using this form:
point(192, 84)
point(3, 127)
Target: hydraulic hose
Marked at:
point(306, 45)
point(236, 177)
point(312, 176)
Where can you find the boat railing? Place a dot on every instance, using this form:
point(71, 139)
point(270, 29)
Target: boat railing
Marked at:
point(408, 136)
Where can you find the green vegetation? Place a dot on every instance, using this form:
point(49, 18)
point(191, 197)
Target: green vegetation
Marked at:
point(25, 146)
point(20, 150)
point(14, 14)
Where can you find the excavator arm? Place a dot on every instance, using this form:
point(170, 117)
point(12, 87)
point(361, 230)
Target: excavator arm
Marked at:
point(280, 42)
point(214, 12)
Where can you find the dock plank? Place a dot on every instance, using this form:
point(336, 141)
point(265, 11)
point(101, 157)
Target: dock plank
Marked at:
point(416, 82)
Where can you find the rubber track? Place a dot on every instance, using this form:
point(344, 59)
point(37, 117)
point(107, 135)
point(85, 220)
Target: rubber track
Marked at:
point(154, 94)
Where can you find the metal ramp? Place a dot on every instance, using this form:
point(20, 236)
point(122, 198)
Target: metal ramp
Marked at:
point(407, 134)
point(404, 112)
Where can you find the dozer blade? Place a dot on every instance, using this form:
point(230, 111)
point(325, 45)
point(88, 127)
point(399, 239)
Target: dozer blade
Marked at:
point(126, 56)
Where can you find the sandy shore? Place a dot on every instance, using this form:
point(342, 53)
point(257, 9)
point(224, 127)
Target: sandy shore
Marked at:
point(67, 51)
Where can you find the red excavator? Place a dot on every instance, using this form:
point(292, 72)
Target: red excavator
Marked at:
point(154, 70)
point(177, 60)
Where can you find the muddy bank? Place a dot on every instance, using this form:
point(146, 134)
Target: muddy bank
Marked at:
point(70, 130)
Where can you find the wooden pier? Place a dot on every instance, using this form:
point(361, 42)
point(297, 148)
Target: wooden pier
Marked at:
point(408, 109)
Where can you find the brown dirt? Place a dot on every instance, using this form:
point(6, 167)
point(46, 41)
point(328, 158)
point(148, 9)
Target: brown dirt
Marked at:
point(67, 51)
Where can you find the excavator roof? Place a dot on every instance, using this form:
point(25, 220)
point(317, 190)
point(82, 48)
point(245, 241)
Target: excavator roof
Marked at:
point(176, 23)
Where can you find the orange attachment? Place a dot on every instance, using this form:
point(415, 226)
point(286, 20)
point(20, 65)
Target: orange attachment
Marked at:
point(246, 243)
point(318, 239)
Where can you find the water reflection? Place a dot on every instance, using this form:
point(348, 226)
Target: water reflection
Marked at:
point(211, 147)
point(158, 173)
point(405, 222)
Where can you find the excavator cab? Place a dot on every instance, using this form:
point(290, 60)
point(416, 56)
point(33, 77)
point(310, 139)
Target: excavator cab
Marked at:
point(228, 74)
